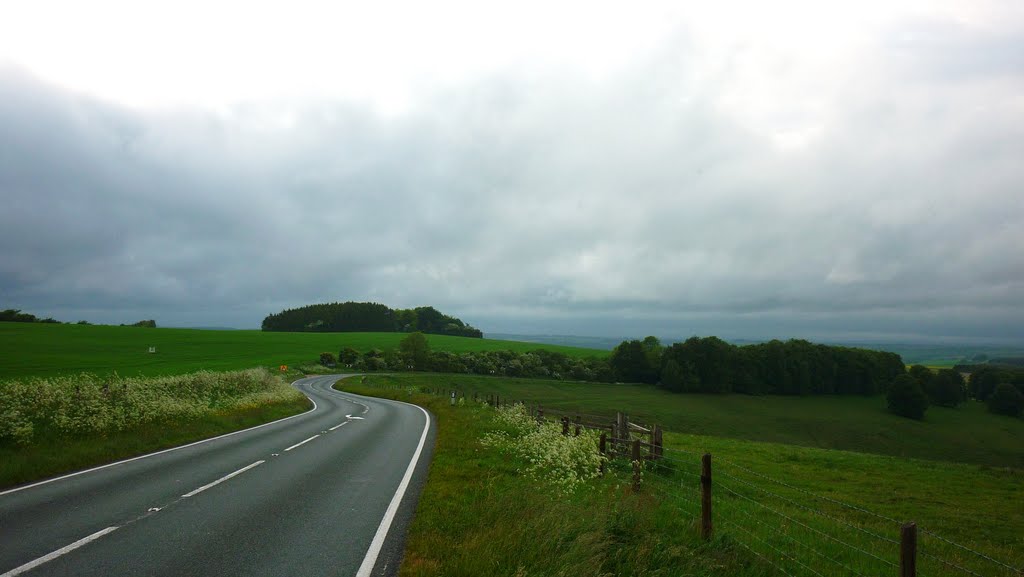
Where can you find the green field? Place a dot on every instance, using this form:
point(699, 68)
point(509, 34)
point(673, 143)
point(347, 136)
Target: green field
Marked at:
point(806, 510)
point(31, 349)
point(968, 434)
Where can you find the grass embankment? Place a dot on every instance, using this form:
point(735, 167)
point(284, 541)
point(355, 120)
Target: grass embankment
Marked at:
point(968, 434)
point(478, 515)
point(50, 349)
point(56, 425)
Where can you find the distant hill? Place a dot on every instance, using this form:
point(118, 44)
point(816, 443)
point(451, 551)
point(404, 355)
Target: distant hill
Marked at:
point(367, 317)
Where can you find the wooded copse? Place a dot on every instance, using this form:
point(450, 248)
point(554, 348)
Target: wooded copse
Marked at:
point(699, 365)
point(367, 317)
point(794, 367)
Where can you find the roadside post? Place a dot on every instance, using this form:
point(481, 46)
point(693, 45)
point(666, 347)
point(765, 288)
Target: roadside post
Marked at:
point(453, 398)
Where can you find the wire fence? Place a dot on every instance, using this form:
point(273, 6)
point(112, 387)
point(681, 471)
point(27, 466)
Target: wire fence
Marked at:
point(792, 530)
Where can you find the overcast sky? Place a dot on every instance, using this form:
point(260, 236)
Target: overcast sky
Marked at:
point(812, 169)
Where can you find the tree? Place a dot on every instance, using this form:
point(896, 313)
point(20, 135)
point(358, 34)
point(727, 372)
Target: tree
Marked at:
point(1006, 400)
point(672, 376)
point(629, 363)
point(416, 351)
point(906, 398)
point(946, 388)
point(327, 359)
point(348, 356)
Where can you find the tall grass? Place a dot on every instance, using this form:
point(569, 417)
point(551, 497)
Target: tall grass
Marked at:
point(55, 425)
point(84, 405)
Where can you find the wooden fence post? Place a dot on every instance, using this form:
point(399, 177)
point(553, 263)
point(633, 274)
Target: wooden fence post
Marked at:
point(705, 497)
point(636, 465)
point(656, 440)
point(908, 550)
point(540, 414)
point(602, 447)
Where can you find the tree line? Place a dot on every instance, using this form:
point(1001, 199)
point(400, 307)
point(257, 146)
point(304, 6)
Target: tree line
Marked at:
point(367, 317)
point(794, 367)
point(16, 316)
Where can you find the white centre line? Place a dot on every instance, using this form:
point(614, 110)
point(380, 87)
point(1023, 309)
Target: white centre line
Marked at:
point(221, 480)
point(302, 443)
point(339, 425)
point(51, 556)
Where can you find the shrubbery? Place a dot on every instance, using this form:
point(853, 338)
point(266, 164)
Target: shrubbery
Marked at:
point(1006, 400)
point(546, 454)
point(88, 404)
point(906, 398)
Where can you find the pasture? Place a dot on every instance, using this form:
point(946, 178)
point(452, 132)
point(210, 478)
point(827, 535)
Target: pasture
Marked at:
point(31, 349)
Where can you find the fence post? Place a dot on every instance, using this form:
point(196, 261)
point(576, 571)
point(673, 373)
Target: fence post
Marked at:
point(565, 426)
point(908, 550)
point(656, 440)
point(705, 497)
point(540, 414)
point(636, 465)
point(602, 447)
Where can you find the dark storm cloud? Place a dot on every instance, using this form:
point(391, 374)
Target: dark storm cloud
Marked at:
point(543, 202)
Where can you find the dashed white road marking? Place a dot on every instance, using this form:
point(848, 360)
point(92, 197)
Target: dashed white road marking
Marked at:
point(222, 479)
point(355, 418)
point(301, 443)
point(51, 556)
point(338, 425)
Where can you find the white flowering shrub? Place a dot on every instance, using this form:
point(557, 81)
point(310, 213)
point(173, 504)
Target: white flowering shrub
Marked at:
point(562, 460)
point(87, 404)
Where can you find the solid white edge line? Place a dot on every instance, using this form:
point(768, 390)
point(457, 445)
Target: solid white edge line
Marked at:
point(51, 556)
point(62, 477)
point(339, 425)
point(222, 479)
point(389, 516)
point(302, 443)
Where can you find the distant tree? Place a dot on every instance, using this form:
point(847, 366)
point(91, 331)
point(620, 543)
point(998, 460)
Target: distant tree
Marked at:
point(672, 376)
point(348, 356)
point(983, 382)
point(906, 398)
point(629, 363)
point(1006, 400)
point(83, 323)
point(327, 359)
point(946, 388)
point(416, 351)
point(149, 324)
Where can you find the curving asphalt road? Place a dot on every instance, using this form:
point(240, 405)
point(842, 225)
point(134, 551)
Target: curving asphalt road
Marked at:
point(314, 494)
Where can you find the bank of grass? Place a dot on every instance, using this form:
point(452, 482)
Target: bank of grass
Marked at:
point(967, 434)
point(50, 455)
point(58, 424)
point(478, 516)
point(477, 513)
point(31, 349)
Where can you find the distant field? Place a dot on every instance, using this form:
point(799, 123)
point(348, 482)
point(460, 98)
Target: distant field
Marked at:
point(968, 434)
point(49, 349)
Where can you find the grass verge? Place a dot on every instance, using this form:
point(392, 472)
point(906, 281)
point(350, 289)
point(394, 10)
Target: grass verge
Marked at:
point(480, 515)
point(49, 456)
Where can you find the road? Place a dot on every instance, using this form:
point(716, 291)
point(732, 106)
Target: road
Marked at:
point(314, 494)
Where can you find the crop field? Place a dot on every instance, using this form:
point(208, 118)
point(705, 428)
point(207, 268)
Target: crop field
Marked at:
point(967, 434)
point(50, 349)
point(778, 509)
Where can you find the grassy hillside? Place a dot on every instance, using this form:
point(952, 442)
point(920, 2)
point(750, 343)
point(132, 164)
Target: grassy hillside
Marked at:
point(804, 525)
point(968, 434)
point(49, 349)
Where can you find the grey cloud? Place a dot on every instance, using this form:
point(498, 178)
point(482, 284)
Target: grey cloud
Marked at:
point(528, 201)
